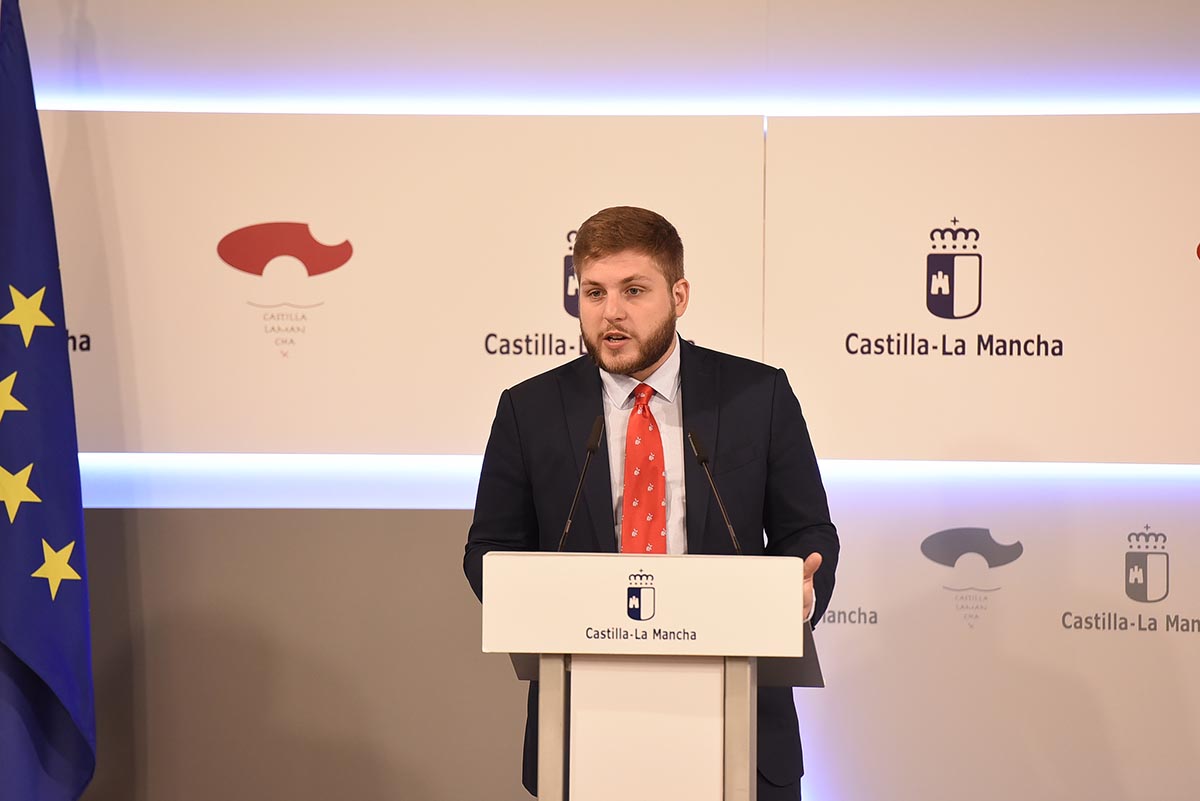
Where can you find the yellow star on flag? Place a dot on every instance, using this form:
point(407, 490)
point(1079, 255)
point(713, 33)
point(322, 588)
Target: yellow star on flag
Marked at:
point(55, 569)
point(7, 402)
point(14, 490)
point(27, 312)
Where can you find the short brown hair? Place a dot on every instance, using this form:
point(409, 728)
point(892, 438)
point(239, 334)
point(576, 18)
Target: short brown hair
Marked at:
point(621, 228)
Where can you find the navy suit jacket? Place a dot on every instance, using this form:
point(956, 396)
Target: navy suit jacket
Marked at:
point(746, 416)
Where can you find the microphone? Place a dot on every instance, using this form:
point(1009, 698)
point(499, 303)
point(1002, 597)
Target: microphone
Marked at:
point(593, 443)
point(702, 458)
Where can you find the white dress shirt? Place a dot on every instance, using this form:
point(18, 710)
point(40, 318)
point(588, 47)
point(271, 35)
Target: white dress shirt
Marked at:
point(667, 408)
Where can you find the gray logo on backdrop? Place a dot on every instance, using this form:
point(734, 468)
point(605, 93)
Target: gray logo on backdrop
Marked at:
point(947, 547)
point(1147, 566)
point(1147, 581)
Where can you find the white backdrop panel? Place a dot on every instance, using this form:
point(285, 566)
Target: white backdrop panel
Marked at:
point(458, 228)
point(1072, 234)
point(973, 681)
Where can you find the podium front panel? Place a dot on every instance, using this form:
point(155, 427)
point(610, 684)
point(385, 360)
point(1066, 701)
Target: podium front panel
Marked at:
point(647, 728)
point(695, 605)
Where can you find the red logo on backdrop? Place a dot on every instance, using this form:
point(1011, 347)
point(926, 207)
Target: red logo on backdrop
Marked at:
point(252, 248)
point(284, 317)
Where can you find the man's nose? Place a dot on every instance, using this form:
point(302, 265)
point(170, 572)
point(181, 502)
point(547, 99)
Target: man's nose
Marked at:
point(614, 308)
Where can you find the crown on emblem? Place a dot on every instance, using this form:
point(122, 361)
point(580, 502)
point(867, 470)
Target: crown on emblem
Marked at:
point(967, 234)
point(641, 578)
point(959, 238)
point(1147, 540)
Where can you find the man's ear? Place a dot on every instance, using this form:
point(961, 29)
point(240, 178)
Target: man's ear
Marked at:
point(680, 294)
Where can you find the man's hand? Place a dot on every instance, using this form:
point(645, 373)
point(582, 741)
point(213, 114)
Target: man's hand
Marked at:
point(811, 565)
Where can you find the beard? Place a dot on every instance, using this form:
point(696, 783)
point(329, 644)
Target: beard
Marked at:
point(650, 351)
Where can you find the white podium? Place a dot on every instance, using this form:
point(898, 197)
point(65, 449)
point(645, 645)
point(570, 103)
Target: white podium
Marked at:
point(648, 666)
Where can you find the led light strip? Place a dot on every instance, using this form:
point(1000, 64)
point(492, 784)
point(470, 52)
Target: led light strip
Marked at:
point(881, 106)
point(277, 481)
point(357, 481)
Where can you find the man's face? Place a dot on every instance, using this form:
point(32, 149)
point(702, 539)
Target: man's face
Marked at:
point(627, 313)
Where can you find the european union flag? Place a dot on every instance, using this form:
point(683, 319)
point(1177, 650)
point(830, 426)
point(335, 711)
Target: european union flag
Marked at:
point(47, 712)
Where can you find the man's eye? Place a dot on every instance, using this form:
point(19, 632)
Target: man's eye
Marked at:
point(594, 294)
point(634, 290)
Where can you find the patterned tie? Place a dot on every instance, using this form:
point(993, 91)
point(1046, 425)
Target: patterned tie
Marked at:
point(644, 506)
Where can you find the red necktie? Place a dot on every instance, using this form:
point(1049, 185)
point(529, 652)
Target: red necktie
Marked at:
point(644, 507)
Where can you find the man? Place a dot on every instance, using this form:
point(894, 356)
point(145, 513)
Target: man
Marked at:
point(653, 389)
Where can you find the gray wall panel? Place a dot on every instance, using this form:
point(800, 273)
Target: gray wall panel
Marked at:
point(294, 654)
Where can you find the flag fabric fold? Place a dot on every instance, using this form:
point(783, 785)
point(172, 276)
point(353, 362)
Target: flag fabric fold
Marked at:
point(47, 708)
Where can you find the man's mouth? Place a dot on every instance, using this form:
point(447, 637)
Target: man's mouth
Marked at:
point(614, 337)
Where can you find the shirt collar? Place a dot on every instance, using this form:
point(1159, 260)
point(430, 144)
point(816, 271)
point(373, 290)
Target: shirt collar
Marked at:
point(664, 381)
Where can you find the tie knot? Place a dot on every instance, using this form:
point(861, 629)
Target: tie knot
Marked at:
point(642, 395)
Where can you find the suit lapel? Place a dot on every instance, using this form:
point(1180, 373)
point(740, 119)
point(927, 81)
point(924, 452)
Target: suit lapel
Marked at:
point(699, 385)
point(582, 403)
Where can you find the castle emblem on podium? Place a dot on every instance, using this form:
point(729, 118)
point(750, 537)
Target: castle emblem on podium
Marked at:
point(953, 272)
point(1147, 566)
point(639, 600)
point(570, 283)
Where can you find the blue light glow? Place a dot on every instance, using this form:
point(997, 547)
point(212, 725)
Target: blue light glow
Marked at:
point(863, 470)
point(549, 105)
point(277, 481)
point(348, 481)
